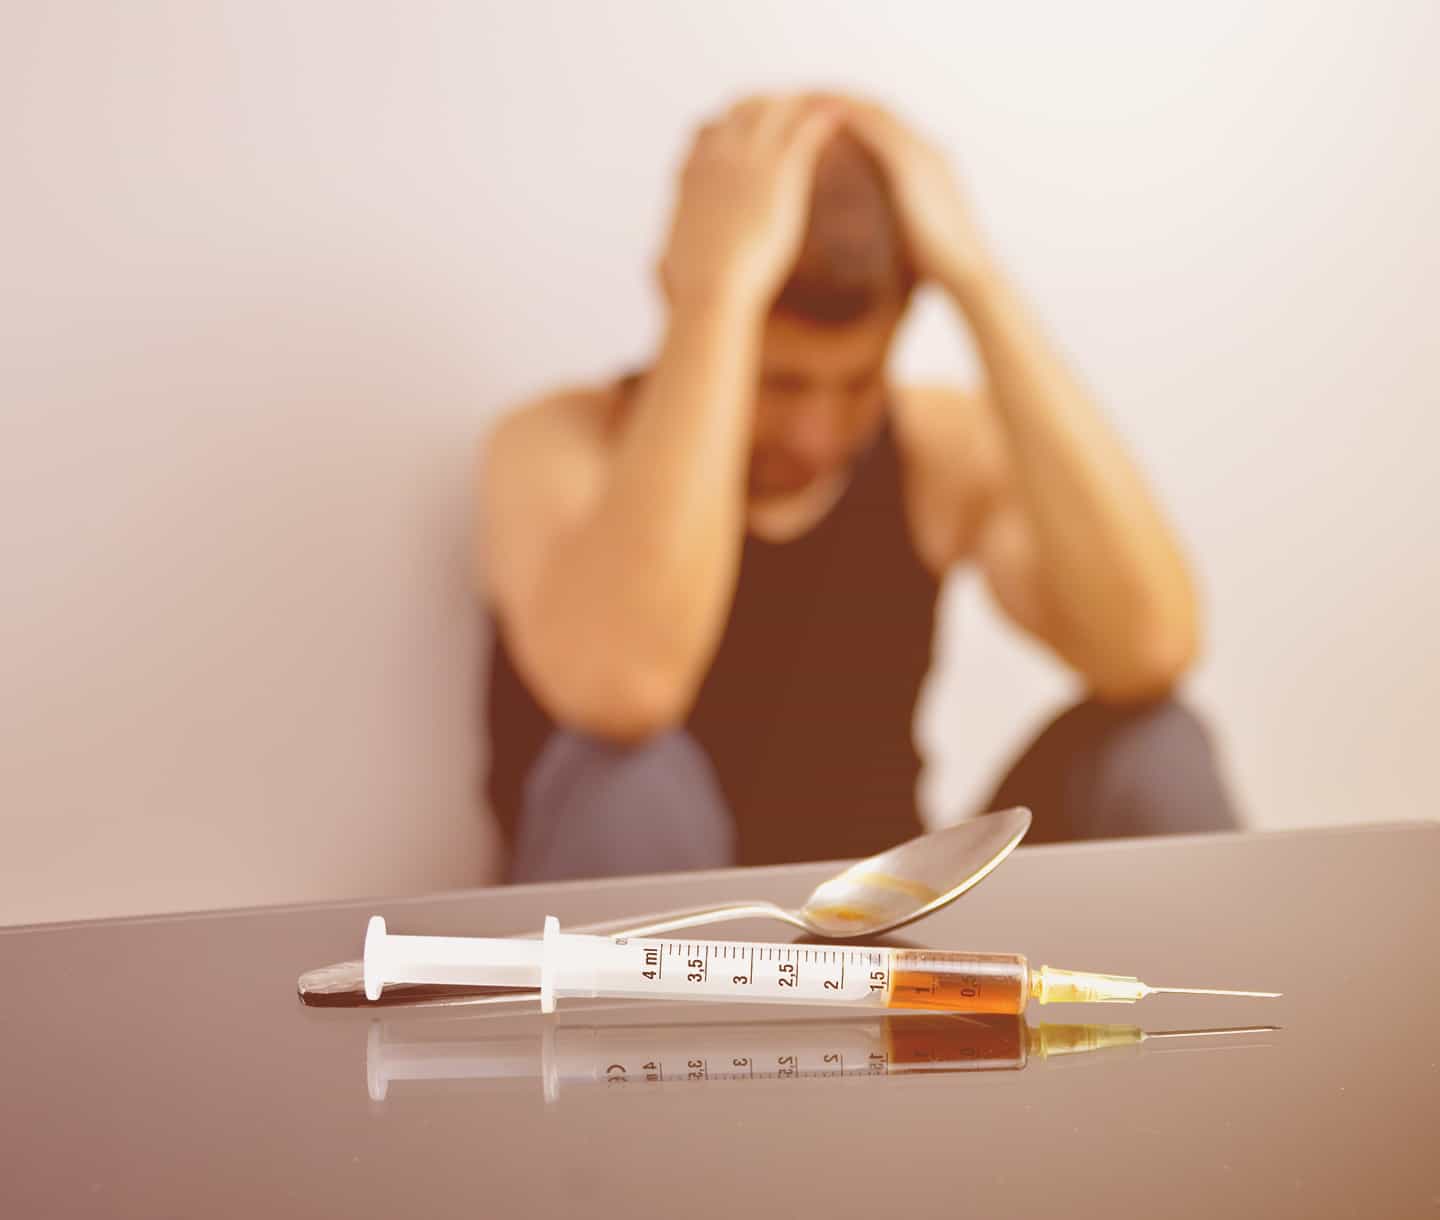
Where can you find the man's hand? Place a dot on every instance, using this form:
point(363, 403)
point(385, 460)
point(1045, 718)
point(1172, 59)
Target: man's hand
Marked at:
point(744, 201)
point(942, 239)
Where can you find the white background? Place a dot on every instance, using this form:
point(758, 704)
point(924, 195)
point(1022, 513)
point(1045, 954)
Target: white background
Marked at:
point(267, 270)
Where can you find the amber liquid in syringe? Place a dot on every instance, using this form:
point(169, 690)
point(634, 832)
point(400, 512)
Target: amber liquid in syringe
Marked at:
point(947, 982)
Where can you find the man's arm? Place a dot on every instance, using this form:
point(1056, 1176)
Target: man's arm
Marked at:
point(612, 560)
point(1072, 543)
point(1074, 546)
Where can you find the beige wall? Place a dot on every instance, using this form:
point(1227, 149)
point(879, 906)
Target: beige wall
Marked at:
point(268, 269)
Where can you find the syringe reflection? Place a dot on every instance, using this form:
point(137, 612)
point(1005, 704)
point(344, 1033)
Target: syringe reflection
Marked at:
point(562, 1055)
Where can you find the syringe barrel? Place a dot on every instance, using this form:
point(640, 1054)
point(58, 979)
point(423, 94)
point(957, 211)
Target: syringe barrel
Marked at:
point(563, 964)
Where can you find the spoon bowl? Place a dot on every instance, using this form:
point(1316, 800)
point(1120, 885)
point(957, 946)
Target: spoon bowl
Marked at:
point(913, 879)
point(873, 895)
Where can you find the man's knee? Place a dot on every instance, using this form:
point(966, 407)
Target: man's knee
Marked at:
point(1127, 735)
point(1147, 769)
point(597, 808)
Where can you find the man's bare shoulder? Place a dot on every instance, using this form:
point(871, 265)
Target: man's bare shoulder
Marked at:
point(538, 471)
point(574, 417)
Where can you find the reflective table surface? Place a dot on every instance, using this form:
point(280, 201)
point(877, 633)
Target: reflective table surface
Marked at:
point(165, 1067)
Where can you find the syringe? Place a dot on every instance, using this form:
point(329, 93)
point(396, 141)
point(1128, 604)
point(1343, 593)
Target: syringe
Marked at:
point(882, 1044)
point(561, 964)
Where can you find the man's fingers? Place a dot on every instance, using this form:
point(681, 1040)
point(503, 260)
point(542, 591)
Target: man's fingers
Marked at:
point(744, 119)
point(778, 119)
point(879, 127)
point(773, 123)
point(872, 111)
point(872, 123)
point(814, 123)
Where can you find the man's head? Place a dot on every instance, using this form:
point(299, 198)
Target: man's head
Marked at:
point(822, 376)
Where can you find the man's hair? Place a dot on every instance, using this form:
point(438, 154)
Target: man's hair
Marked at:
point(853, 258)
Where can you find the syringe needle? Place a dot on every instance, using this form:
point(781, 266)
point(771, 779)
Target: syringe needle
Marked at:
point(1264, 995)
point(1049, 986)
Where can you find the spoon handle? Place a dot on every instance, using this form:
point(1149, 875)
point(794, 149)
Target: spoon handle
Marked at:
point(694, 917)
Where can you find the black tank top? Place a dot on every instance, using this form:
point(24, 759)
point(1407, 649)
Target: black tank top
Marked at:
point(807, 709)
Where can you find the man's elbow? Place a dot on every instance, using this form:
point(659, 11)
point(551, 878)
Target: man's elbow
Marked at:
point(1148, 668)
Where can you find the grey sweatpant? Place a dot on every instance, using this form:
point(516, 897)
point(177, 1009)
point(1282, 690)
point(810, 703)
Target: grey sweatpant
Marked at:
point(596, 809)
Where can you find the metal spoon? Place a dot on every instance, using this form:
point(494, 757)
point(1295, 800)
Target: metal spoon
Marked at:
point(869, 897)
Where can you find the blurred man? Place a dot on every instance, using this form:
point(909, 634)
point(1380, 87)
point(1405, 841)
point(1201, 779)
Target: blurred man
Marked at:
point(715, 582)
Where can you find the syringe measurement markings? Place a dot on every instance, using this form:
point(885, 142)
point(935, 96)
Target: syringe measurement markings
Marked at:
point(697, 956)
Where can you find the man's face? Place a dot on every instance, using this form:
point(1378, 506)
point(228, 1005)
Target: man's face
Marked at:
point(820, 396)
